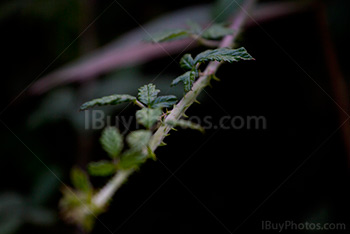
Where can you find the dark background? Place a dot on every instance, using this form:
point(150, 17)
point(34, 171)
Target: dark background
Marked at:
point(225, 180)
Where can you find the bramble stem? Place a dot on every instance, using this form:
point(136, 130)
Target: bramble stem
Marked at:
point(103, 196)
point(106, 193)
point(203, 80)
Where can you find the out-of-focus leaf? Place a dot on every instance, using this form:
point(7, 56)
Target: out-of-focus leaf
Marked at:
point(223, 54)
point(216, 31)
point(108, 100)
point(164, 101)
point(194, 27)
point(45, 186)
point(148, 117)
point(148, 93)
point(139, 139)
point(131, 159)
point(80, 180)
point(39, 216)
point(112, 141)
point(169, 35)
point(16, 210)
point(11, 208)
point(101, 168)
point(9, 224)
point(77, 208)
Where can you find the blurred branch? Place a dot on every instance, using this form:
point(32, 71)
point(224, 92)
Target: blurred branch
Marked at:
point(116, 56)
point(339, 86)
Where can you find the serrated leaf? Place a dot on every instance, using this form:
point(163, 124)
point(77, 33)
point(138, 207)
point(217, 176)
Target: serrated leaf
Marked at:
point(148, 93)
point(101, 168)
point(185, 124)
point(148, 117)
point(139, 139)
point(187, 79)
point(131, 159)
point(194, 73)
point(187, 62)
point(216, 31)
point(164, 101)
point(80, 180)
point(169, 35)
point(112, 141)
point(108, 100)
point(223, 54)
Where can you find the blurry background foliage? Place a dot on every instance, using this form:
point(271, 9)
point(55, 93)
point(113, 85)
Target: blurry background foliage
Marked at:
point(35, 32)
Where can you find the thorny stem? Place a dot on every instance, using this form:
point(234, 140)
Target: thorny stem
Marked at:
point(203, 80)
point(106, 193)
point(103, 196)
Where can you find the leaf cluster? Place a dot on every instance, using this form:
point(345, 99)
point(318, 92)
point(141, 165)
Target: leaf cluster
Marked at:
point(187, 62)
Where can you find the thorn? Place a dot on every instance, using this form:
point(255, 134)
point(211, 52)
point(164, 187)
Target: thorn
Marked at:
point(196, 101)
point(162, 143)
point(174, 129)
point(214, 77)
point(185, 116)
point(151, 153)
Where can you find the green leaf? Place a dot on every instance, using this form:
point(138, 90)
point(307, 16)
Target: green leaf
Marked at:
point(108, 100)
point(169, 35)
point(112, 141)
point(185, 124)
point(148, 93)
point(216, 31)
point(131, 159)
point(148, 117)
point(139, 139)
point(187, 62)
point(164, 101)
point(101, 168)
point(187, 79)
point(80, 180)
point(223, 54)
